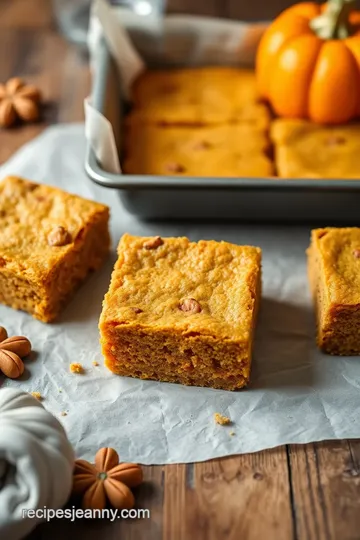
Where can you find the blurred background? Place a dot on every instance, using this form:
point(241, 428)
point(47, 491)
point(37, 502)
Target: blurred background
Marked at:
point(44, 41)
point(72, 15)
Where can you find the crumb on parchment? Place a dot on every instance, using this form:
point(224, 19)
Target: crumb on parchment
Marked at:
point(232, 433)
point(95, 363)
point(63, 413)
point(221, 420)
point(36, 395)
point(75, 367)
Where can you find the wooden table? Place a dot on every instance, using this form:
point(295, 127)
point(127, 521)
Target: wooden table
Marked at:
point(306, 492)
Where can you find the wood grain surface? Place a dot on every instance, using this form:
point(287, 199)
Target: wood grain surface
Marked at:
point(309, 492)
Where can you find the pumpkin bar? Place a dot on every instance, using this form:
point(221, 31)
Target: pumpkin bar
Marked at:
point(334, 275)
point(49, 242)
point(181, 311)
point(307, 150)
point(223, 151)
point(199, 96)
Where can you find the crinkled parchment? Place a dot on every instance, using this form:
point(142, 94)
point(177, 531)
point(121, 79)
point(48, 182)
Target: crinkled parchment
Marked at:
point(296, 395)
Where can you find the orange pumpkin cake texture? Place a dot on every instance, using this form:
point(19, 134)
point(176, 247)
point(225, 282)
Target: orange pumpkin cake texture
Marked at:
point(334, 276)
point(49, 242)
point(197, 122)
point(201, 151)
point(211, 95)
point(307, 150)
point(182, 311)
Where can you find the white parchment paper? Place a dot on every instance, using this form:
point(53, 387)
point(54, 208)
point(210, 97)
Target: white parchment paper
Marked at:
point(296, 395)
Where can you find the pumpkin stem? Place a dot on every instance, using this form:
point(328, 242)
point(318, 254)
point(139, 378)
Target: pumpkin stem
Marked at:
point(102, 475)
point(333, 23)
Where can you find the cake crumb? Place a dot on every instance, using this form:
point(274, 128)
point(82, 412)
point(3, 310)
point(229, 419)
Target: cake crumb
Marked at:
point(36, 395)
point(75, 367)
point(60, 390)
point(222, 420)
point(95, 363)
point(232, 433)
point(63, 413)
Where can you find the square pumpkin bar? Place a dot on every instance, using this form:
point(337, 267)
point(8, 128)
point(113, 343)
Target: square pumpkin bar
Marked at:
point(334, 275)
point(181, 311)
point(224, 151)
point(49, 242)
point(307, 150)
point(199, 96)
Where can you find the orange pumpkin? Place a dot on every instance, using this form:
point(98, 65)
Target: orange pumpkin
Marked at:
point(308, 62)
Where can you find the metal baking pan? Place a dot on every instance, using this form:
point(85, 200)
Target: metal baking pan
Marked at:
point(246, 199)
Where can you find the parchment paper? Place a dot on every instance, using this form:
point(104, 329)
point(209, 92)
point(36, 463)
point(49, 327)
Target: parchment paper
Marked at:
point(296, 395)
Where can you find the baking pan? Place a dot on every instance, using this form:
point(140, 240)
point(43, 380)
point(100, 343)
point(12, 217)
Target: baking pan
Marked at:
point(246, 199)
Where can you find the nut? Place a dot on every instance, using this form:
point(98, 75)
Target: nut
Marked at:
point(335, 140)
point(356, 253)
point(59, 236)
point(175, 167)
point(190, 305)
point(201, 145)
point(11, 364)
point(3, 333)
point(153, 243)
point(19, 345)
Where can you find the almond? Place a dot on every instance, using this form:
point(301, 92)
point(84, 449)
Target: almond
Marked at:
point(59, 236)
point(11, 364)
point(19, 345)
point(190, 305)
point(3, 333)
point(153, 243)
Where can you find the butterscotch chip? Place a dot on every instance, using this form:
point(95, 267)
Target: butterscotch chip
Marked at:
point(75, 367)
point(137, 310)
point(153, 243)
point(190, 305)
point(36, 395)
point(221, 419)
point(59, 236)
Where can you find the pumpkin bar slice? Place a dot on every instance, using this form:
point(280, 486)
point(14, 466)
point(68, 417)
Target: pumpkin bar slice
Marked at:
point(198, 96)
point(49, 242)
point(334, 275)
point(231, 150)
point(307, 150)
point(182, 311)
